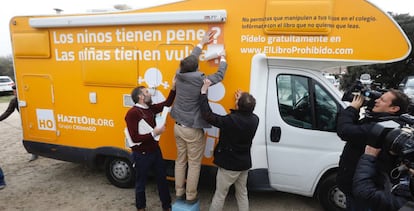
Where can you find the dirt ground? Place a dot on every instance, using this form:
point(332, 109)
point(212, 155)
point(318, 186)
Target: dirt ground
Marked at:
point(47, 184)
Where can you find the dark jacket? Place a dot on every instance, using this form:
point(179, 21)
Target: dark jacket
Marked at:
point(186, 109)
point(13, 105)
point(237, 130)
point(374, 187)
point(355, 132)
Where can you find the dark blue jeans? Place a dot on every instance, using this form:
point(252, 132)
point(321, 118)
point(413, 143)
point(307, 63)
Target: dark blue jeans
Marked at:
point(144, 162)
point(2, 182)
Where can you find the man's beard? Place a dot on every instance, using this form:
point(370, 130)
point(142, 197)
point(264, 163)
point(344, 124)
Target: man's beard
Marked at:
point(148, 100)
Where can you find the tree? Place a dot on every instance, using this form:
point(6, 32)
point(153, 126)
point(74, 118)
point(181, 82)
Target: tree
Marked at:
point(388, 75)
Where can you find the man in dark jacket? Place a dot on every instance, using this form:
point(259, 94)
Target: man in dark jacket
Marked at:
point(383, 195)
point(232, 153)
point(14, 105)
point(356, 132)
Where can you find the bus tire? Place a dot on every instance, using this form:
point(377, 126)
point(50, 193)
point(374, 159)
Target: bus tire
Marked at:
point(119, 172)
point(329, 195)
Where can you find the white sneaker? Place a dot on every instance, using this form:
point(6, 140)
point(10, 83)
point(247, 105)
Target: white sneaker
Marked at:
point(2, 186)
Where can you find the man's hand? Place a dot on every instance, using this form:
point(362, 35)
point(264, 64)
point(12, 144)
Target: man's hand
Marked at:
point(357, 101)
point(205, 86)
point(222, 55)
point(369, 150)
point(237, 94)
point(208, 37)
point(173, 83)
point(158, 130)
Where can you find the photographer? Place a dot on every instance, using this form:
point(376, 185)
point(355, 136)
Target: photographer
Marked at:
point(375, 187)
point(232, 153)
point(355, 132)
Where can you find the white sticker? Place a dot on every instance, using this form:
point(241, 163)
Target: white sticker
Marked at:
point(45, 119)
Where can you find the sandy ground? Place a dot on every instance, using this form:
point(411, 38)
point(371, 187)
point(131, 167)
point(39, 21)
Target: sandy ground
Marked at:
point(47, 184)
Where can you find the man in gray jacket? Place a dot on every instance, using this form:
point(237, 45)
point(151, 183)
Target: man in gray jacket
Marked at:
point(188, 130)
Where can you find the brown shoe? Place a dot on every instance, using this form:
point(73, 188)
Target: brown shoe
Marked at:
point(168, 209)
point(143, 209)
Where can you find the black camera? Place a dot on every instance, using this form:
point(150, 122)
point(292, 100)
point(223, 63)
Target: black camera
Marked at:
point(397, 141)
point(400, 142)
point(358, 88)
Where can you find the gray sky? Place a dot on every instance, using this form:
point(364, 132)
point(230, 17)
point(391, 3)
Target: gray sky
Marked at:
point(33, 7)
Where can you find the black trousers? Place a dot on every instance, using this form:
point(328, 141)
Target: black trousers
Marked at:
point(144, 162)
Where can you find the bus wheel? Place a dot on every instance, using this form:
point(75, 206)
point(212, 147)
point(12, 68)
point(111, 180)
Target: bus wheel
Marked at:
point(119, 172)
point(329, 195)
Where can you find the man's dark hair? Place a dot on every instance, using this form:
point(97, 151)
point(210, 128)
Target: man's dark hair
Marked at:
point(135, 92)
point(246, 102)
point(189, 64)
point(401, 100)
